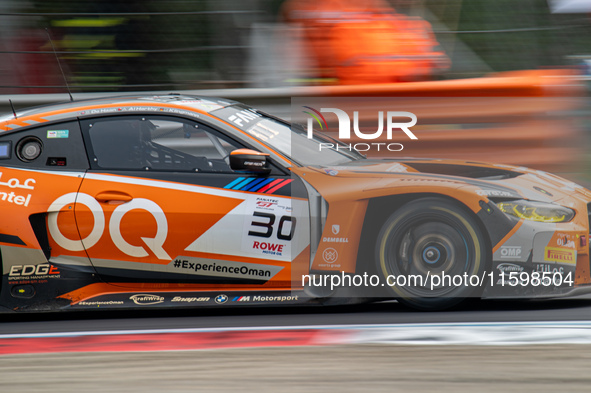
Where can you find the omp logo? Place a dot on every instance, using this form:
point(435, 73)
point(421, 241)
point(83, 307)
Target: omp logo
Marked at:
point(345, 128)
point(154, 244)
point(511, 252)
point(145, 300)
point(560, 255)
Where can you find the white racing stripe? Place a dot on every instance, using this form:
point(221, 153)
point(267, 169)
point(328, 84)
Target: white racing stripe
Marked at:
point(168, 185)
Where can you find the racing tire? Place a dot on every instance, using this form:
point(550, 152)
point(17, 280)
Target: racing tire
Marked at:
point(426, 238)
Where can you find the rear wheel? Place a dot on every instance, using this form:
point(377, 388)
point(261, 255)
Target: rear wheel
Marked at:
point(428, 253)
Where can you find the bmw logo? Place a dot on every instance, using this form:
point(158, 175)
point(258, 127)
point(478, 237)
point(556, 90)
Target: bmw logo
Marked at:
point(219, 299)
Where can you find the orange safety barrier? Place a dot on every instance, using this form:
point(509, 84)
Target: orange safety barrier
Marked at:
point(519, 118)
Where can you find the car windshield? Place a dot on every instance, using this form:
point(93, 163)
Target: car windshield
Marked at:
point(289, 140)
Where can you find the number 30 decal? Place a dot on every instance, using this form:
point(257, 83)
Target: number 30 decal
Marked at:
point(266, 223)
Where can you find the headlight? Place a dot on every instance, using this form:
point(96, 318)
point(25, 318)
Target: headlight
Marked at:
point(536, 211)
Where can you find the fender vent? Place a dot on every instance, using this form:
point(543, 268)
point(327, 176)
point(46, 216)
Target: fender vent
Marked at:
point(39, 225)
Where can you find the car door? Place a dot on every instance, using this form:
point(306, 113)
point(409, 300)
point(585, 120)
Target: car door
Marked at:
point(42, 256)
point(161, 204)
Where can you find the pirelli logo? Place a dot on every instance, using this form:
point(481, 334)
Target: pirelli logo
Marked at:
point(560, 255)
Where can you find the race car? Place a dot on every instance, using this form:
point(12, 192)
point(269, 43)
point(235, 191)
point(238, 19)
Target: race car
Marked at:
point(186, 201)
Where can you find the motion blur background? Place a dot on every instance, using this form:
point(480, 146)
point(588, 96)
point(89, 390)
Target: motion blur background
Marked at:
point(108, 45)
point(264, 52)
point(527, 63)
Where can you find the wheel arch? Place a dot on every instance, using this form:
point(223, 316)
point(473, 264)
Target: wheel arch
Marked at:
point(379, 209)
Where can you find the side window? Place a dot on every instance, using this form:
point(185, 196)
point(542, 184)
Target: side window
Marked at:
point(157, 143)
point(58, 146)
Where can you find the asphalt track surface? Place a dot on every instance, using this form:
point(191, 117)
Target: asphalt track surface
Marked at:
point(563, 309)
point(330, 368)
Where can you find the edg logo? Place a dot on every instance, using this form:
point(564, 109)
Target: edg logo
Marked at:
point(345, 128)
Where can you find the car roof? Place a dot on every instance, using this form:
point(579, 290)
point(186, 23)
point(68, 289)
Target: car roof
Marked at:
point(165, 104)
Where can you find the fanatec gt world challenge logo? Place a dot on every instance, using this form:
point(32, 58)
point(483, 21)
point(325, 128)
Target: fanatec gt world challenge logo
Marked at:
point(392, 124)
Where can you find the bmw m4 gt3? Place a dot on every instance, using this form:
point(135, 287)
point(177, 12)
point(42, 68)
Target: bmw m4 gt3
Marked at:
point(182, 201)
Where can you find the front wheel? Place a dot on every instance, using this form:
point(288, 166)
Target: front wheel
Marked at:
point(429, 253)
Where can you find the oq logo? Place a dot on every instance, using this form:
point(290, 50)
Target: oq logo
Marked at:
point(345, 129)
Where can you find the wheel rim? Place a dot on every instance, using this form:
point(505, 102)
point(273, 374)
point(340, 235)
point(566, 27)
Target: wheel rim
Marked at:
point(429, 246)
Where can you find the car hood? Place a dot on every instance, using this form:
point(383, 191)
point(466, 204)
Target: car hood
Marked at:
point(490, 180)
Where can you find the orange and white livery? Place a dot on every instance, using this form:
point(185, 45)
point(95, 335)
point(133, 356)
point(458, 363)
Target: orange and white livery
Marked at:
point(182, 201)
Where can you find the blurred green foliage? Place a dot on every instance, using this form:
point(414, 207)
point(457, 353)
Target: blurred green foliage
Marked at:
point(208, 45)
point(516, 34)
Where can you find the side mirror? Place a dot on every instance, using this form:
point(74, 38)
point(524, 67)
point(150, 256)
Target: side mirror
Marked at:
point(246, 160)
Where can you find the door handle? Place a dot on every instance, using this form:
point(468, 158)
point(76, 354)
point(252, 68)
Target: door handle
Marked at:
point(113, 196)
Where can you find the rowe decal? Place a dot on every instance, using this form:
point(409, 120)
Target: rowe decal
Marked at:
point(345, 129)
point(154, 244)
point(268, 248)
